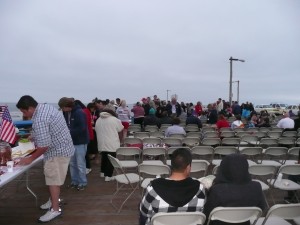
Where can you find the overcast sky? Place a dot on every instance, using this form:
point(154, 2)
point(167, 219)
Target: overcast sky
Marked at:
point(137, 48)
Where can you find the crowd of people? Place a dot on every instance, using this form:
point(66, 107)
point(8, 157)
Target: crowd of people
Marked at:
point(74, 136)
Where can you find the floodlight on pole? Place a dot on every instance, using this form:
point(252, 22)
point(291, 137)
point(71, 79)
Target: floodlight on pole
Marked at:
point(230, 78)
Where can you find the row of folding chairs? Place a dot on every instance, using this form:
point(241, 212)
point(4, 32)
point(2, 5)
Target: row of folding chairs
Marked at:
point(276, 215)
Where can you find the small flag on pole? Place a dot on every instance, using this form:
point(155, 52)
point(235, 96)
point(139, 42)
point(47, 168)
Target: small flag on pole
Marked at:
point(7, 129)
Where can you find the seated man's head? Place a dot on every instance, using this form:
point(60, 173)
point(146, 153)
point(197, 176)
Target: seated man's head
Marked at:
point(181, 161)
point(176, 121)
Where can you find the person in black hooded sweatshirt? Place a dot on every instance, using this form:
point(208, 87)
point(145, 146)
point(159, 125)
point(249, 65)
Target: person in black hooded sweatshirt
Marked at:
point(177, 193)
point(233, 187)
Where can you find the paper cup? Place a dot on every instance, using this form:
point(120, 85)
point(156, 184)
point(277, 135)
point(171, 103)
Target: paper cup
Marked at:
point(10, 166)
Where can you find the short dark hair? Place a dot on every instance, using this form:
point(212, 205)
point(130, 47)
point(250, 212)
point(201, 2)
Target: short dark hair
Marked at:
point(26, 101)
point(66, 102)
point(176, 121)
point(180, 159)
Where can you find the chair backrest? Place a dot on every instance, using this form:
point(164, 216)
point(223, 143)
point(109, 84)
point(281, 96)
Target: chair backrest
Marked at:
point(141, 134)
point(274, 134)
point(191, 128)
point(129, 151)
point(227, 134)
point(225, 129)
point(250, 139)
point(199, 165)
point(180, 136)
point(225, 150)
point(172, 141)
point(262, 170)
point(131, 141)
point(154, 170)
point(206, 129)
point(134, 128)
point(211, 141)
point(151, 128)
point(234, 214)
point(178, 218)
point(191, 141)
point(155, 151)
point(211, 134)
point(290, 169)
point(115, 162)
point(268, 142)
point(294, 151)
point(283, 211)
point(157, 134)
point(231, 141)
point(196, 134)
point(289, 134)
point(152, 141)
point(251, 151)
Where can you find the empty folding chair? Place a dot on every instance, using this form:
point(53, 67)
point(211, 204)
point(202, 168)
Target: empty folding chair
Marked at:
point(274, 156)
point(231, 142)
point(274, 134)
point(264, 129)
point(191, 128)
point(276, 129)
point(151, 128)
point(199, 165)
point(133, 142)
point(154, 155)
point(211, 141)
point(152, 142)
point(278, 214)
point(134, 128)
point(221, 151)
point(148, 172)
point(197, 134)
point(289, 134)
point(222, 129)
point(233, 215)
point(268, 142)
point(284, 183)
point(180, 136)
point(253, 154)
point(241, 133)
point(211, 134)
point(172, 141)
point(287, 141)
point(129, 157)
point(263, 174)
point(227, 134)
point(238, 129)
point(249, 141)
point(190, 141)
point(261, 134)
point(131, 180)
point(206, 129)
point(203, 152)
point(141, 135)
point(292, 155)
point(178, 218)
point(157, 134)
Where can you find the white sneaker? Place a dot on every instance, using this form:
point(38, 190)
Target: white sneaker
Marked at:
point(88, 170)
point(101, 174)
point(49, 215)
point(109, 178)
point(48, 204)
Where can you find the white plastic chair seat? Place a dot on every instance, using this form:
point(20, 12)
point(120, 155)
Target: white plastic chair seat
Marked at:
point(153, 162)
point(216, 162)
point(251, 163)
point(273, 221)
point(286, 185)
point(146, 182)
point(169, 162)
point(248, 142)
point(264, 186)
point(271, 162)
point(133, 178)
point(178, 218)
point(297, 220)
point(290, 162)
point(129, 164)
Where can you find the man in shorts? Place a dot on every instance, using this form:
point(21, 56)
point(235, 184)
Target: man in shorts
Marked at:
point(52, 139)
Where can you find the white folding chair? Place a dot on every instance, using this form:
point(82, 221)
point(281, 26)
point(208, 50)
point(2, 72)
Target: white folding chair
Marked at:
point(278, 214)
point(178, 218)
point(149, 155)
point(286, 184)
point(227, 134)
point(274, 156)
point(268, 142)
point(131, 180)
point(199, 165)
point(235, 214)
point(206, 129)
point(289, 134)
point(287, 142)
point(211, 134)
point(190, 141)
point(231, 142)
point(153, 141)
point(274, 134)
point(249, 141)
point(148, 172)
point(211, 141)
point(129, 157)
point(133, 142)
point(151, 128)
point(141, 135)
point(222, 151)
point(134, 128)
point(203, 152)
point(253, 154)
point(172, 141)
point(191, 128)
point(196, 134)
point(157, 134)
point(225, 129)
point(293, 154)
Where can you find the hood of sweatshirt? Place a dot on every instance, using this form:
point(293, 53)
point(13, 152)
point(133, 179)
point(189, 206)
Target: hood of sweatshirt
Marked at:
point(176, 193)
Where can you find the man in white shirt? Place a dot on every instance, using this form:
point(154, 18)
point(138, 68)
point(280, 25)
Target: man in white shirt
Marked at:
point(286, 122)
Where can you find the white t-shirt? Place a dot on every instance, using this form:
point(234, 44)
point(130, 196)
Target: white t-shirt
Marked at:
point(286, 123)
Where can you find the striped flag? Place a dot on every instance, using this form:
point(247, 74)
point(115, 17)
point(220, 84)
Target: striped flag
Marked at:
point(2, 107)
point(7, 129)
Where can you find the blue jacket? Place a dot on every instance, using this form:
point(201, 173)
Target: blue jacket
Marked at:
point(76, 121)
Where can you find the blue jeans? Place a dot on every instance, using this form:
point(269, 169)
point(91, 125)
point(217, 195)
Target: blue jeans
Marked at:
point(78, 165)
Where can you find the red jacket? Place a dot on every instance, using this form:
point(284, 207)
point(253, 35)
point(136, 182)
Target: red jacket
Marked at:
point(89, 123)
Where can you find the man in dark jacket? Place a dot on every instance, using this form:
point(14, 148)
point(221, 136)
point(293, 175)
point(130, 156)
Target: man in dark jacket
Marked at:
point(173, 108)
point(76, 121)
point(178, 193)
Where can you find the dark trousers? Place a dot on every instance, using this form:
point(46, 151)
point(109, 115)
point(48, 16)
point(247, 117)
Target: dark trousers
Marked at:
point(106, 167)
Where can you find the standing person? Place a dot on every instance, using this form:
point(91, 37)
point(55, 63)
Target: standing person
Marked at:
point(109, 131)
point(90, 131)
point(212, 115)
point(233, 187)
point(220, 105)
point(178, 193)
point(76, 121)
point(174, 108)
point(222, 122)
point(138, 114)
point(198, 109)
point(53, 140)
point(124, 115)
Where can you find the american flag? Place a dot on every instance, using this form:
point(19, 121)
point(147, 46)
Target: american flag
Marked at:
point(7, 129)
point(2, 107)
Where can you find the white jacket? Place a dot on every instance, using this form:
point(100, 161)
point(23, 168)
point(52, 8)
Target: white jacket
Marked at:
point(107, 128)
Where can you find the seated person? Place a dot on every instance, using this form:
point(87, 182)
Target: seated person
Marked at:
point(212, 115)
point(193, 119)
point(175, 128)
point(151, 119)
point(264, 122)
point(178, 193)
point(233, 187)
point(286, 122)
point(165, 119)
point(222, 122)
point(237, 123)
